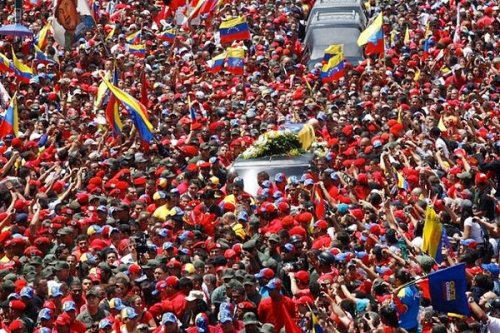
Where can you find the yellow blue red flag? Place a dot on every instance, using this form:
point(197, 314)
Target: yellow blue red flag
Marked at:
point(40, 56)
point(139, 50)
point(332, 50)
point(112, 112)
point(216, 64)
point(235, 61)
point(41, 39)
point(333, 70)
point(234, 29)
point(136, 110)
point(5, 64)
point(373, 37)
point(10, 123)
point(167, 36)
point(23, 72)
point(134, 38)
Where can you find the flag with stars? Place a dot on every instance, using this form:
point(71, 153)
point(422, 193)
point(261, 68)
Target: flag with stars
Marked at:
point(235, 61)
point(234, 29)
point(333, 70)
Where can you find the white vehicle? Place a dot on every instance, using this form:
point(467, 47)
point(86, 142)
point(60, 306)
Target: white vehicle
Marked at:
point(326, 29)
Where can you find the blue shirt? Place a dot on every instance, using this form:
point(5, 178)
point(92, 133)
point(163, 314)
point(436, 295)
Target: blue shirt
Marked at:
point(409, 296)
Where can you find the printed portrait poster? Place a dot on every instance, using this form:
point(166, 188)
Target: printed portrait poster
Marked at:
point(72, 18)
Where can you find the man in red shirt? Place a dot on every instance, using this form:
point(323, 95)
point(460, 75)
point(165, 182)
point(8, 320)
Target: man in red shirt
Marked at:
point(69, 308)
point(277, 309)
point(172, 293)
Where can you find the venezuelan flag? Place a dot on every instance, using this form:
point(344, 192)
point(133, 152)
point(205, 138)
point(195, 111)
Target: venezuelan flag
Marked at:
point(235, 61)
point(138, 50)
point(5, 64)
point(402, 182)
point(333, 70)
point(167, 36)
point(10, 124)
point(41, 39)
point(24, 73)
point(234, 29)
point(42, 57)
point(373, 37)
point(101, 93)
point(433, 230)
point(332, 50)
point(216, 64)
point(136, 110)
point(134, 38)
point(112, 112)
point(316, 327)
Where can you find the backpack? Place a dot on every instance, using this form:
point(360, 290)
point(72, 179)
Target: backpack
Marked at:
point(486, 250)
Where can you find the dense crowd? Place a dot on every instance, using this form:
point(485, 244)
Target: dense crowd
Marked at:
point(105, 233)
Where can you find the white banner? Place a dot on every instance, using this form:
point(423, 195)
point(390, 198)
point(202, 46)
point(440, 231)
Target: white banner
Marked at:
point(72, 18)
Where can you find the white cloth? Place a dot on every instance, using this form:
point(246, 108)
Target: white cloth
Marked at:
point(493, 325)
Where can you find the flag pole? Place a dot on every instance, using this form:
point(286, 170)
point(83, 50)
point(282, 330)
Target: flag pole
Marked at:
point(416, 280)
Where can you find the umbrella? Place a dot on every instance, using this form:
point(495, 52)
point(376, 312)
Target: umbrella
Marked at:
point(16, 29)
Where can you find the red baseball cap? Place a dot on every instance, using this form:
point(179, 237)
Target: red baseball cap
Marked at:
point(302, 276)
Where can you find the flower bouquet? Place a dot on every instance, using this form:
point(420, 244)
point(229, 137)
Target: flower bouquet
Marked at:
point(274, 143)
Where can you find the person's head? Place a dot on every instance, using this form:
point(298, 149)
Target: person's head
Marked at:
point(274, 287)
point(92, 297)
point(82, 241)
point(76, 289)
point(105, 325)
point(62, 270)
point(67, 15)
point(69, 307)
point(389, 315)
point(115, 306)
point(435, 132)
point(86, 284)
point(129, 316)
point(170, 322)
point(45, 317)
point(492, 306)
point(403, 276)
point(226, 321)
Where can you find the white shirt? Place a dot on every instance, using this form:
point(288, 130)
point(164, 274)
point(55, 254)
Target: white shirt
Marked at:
point(476, 233)
point(441, 144)
point(127, 259)
point(493, 325)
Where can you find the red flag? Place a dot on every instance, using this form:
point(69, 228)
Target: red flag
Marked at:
point(290, 325)
point(424, 287)
point(162, 14)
